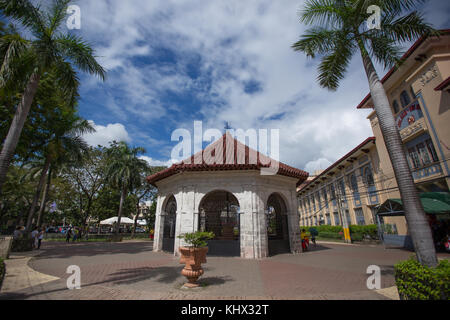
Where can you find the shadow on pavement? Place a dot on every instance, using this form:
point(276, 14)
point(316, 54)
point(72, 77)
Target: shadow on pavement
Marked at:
point(67, 250)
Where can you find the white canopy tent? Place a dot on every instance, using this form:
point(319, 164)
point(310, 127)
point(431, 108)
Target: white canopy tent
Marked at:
point(113, 220)
point(142, 222)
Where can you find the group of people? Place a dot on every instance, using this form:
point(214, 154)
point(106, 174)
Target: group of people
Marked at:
point(37, 235)
point(305, 239)
point(74, 234)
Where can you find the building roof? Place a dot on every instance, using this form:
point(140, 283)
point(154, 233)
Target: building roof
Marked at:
point(365, 142)
point(404, 57)
point(443, 85)
point(233, 159)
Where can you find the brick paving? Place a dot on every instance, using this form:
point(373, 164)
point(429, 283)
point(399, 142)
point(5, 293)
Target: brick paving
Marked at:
point(130, 270)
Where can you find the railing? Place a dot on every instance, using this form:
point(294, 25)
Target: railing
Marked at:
point(427, 171)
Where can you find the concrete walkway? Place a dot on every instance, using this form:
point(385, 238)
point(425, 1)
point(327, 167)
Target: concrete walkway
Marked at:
point(130, 270)
point(20, 276)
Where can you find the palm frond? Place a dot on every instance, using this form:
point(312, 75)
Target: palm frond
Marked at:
point(322, 12)
point(57, 14)
point(407, 28)
point(385, 50)
point(334, 65)
point(12, 48)
point(26, 13)
point(317, 41)
point(80, 53)
point(68, 79)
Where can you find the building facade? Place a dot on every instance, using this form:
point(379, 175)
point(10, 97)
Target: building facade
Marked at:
point(419, 94)
point(349, 189)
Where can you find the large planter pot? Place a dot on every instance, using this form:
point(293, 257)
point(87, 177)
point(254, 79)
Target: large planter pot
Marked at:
point(193, 259)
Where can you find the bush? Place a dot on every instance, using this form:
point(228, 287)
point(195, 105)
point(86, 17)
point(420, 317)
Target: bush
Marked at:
point(2, 271)
point(357, 232)
point(417, 282)
point(197, 239)
point(330, 235)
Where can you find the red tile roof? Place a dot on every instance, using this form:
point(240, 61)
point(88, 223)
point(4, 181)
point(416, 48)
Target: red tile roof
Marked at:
point(404, 57)
point(233, 159)
point(370, 139)
point(444, 84)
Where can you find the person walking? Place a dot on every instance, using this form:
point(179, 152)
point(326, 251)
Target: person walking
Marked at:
point(17, 233)
point(40, 237)
point(304, 238)
point(34, 237)
point(68, 235)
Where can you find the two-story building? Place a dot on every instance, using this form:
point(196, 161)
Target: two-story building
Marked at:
point(419, 94)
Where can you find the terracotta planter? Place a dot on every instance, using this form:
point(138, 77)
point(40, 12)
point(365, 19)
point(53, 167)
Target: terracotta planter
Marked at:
point(193, 259)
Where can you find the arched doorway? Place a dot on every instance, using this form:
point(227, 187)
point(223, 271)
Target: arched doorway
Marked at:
point(219, 213)
point(170, 222)
point(277, 225)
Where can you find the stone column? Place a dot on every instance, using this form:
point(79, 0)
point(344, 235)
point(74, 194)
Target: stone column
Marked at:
point(295, 242)
point(159, 225)
point(185, 215)
point(253, 225)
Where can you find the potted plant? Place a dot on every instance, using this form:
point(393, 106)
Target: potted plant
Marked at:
point(193, 255)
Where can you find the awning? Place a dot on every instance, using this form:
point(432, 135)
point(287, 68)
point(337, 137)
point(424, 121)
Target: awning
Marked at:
point(113, 220)
point(432, 202)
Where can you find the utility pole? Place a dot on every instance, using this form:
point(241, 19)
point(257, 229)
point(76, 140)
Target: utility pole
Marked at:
point(345, 225)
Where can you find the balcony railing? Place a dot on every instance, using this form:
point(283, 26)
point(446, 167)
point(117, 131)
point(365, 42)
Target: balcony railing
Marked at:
point(429, 170)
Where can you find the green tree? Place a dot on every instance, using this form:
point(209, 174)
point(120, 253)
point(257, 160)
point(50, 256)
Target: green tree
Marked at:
point(124, 170)
point(50, 49)
point(341, 31)
point(144, 191)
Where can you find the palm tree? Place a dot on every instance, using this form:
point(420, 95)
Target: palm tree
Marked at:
point(66, 145)
point(124, 170)
point(49, 49)
point(340, 32)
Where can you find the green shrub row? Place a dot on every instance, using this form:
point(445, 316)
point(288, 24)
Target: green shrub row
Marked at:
point(417, 282)
point(355, 230)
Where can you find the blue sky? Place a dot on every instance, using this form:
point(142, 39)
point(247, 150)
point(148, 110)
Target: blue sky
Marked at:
point(173, 62)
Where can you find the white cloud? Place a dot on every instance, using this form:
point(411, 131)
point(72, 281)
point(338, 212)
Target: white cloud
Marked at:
point(235, 42)
point(319, 164)
point(157, 163)
point(106, 134)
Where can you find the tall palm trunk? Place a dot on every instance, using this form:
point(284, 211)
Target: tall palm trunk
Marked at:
point(15, 130)
point(122, 200)
point(415, 215)
point(45, 196)
point(135, 220)
point(38, 193)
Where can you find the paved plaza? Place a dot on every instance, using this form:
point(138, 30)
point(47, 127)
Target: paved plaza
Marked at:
point(130, 270)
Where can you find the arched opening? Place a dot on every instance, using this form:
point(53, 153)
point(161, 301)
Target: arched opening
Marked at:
point(277, 225)
point(170, 222)
point(219, 213)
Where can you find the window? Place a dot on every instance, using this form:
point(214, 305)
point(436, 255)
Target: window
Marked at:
point(313, 202)
point(368, 176)
point(423, 153)
point(325, 197)
point(354, 183)
point(360, 221)
point(431, 150)
point(336, 218)
point(395, 106)
point(404, 98)
point(328, 219)
point(414, 158)
point(342, 187)
point(319, 200)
